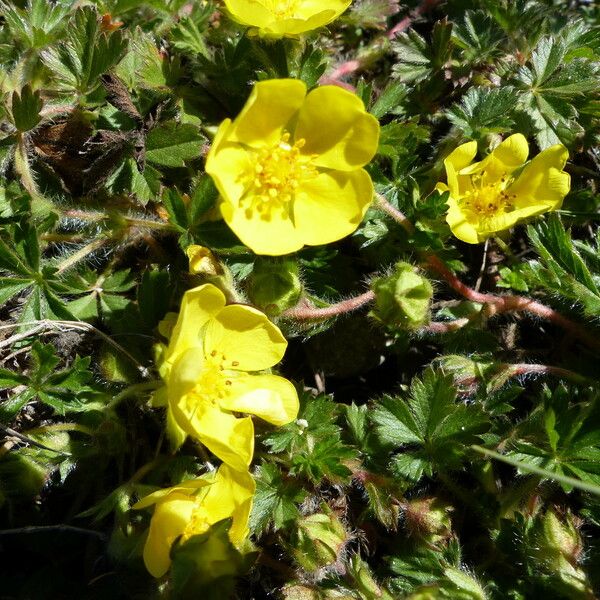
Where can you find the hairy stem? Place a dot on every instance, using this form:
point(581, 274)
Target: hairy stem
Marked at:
point(495, 304)
point(310, 313)
point(82, 253)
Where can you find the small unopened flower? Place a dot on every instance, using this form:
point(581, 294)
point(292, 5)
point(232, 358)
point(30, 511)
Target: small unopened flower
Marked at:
point(289, 167)
point(279, 18)
point(191, 508)
point(494, 194)
point(208, 368)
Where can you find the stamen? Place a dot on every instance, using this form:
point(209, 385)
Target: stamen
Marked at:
point(277, 174)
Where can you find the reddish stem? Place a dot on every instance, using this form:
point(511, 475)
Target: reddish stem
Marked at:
point(350, 67)
point(444, 326)
point(310, 313)
point(496, 304)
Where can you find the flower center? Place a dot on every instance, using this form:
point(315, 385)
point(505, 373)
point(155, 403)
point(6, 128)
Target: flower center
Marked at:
point(197, 524)
point(486, 201)
point(212, 383)
point(278, 172)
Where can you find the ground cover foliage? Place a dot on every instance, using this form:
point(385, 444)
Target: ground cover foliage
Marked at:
point(448, 439)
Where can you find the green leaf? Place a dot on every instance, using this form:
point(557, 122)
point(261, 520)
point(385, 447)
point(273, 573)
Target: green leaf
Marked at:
point(554, 87)
point(313, 442)
point(478, 36)
point(429, 427)
point(170, 145)
point(484, 111)
point(418, 59)
point(87, 53)
point(40, 23)
point(562, 270)
point(26, 108)
point(389, 101)
point(276, 500)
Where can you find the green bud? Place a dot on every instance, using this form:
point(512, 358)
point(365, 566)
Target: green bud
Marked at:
point(429, 520)
point(464, 585)
point(562, 536)
point(402, 298)
point(319, 541)
point(364, 581)
point(274, 285)
point(557, 549)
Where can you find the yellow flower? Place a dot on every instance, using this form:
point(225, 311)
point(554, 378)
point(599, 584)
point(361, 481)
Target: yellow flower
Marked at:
point(288, 168)
point(278, 18)
point(191, 508)
point(205, 367)
point(494, 194)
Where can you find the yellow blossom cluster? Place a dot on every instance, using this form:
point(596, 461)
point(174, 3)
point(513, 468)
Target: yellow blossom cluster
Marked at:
point(290, 172)
point(213, 369)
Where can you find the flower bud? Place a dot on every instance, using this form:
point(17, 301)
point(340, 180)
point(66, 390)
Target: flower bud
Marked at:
point(557, 549)
point(319, 541)
point(203, 261)
point(402, 298)
point(429, 519)
point(274, 285)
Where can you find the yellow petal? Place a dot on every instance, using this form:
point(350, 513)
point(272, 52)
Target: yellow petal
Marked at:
point(186, 488)
point(229, 165)
point(459, 225)
point(269, 397)
point(198, 306)
point(332, 205)
point(249, 12)
point(337, 129)
point(273, 234)
point(307, 9)
point(185, 373)
point(457, 160)
point(304, 15)
point(246, 337)
point(227, 437)
point(168, 522)
point(175, 433)
point(542, 182)
point(269, 108)
point(503, 160)
point(230, 495)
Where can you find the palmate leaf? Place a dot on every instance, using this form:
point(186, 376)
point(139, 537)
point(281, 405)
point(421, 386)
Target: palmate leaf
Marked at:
point(563, 439)
point(23, 273)
point(65, 390)
point(419, 59)
point(87, 53)
point(484, 111)
point(552, 89)
point(276, 500)
point(562, 270)
point(428, 430)
point(39, 24)
point(478, 36)
point(313, 443)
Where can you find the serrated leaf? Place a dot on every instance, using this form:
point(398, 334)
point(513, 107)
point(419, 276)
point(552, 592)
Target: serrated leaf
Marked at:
point(87, 52)
point(276, 500)
point(170, 145)
point(429, 427)
point(26, 107)
point(418, 59)
point(483, 111)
